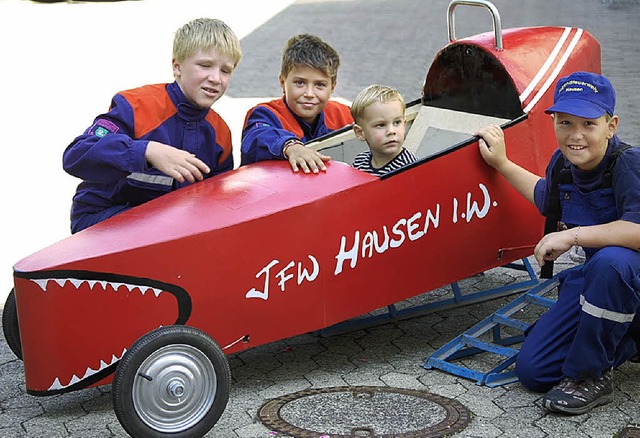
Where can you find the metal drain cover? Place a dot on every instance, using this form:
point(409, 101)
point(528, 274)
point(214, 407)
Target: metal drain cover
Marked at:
point(364, 411)
point(629, 432)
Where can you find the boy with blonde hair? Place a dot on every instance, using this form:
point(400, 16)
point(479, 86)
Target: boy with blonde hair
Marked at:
point(378, 112)
point(158, 138)
point(280, 128)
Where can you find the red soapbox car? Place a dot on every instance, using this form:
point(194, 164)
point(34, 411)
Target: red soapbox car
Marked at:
point(153, 299)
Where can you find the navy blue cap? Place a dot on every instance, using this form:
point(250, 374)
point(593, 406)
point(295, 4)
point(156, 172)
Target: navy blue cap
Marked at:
point(584, 94)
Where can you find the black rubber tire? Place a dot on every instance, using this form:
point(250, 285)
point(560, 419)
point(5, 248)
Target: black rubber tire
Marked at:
point(154, 363)
point(10, 326)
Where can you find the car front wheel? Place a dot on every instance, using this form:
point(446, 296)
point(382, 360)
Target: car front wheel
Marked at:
point(172, 382)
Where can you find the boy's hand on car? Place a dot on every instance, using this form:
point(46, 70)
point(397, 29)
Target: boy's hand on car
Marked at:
point(302, 157)
point(492, 146)
point(176, 163)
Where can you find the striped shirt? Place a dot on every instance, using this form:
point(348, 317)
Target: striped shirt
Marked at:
point(362, 161)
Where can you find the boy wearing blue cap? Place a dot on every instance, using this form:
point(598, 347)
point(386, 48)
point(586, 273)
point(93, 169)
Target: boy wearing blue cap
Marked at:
point(595, 179)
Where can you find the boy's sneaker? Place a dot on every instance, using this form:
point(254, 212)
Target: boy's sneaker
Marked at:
point(579, 397)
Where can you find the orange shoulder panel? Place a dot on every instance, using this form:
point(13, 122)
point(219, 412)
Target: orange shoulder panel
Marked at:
point(337, 115)
point(223, 133)
point(288, 121)
point(151, 106)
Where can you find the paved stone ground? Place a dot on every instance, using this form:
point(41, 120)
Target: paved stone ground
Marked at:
point(391, 42)
point(386, 355)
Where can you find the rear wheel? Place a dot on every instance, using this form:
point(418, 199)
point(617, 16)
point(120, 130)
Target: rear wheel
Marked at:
point(10, 325)
point(173, 382)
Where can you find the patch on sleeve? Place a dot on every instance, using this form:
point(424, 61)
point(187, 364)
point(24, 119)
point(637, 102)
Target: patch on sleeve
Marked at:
point(103, 127)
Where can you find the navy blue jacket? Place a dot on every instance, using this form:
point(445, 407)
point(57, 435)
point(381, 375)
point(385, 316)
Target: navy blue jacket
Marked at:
point(110, 156)
point(269, 125)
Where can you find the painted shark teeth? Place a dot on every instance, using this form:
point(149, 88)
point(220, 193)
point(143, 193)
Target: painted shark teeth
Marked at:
point(56, 385)
point(95, 284)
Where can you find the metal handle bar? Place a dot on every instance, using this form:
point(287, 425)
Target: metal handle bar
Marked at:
point(497, 23)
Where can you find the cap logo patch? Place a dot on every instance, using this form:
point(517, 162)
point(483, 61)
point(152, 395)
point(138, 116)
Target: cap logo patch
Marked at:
point(567, 86)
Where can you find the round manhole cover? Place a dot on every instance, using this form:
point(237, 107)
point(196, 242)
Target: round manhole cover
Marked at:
point(629, 432)
point(364, 411)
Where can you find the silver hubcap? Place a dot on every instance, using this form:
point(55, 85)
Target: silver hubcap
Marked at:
point(174, 388)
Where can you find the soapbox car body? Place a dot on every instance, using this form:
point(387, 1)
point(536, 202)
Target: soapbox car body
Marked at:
point(160, 294)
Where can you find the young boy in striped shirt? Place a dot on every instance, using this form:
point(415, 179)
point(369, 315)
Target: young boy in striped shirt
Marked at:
point(378, 112)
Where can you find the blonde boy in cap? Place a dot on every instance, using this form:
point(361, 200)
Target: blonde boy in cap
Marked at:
point(595, 180)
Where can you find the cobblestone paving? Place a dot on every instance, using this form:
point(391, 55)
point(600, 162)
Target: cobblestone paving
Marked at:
point(386, 355)
point(391, 42)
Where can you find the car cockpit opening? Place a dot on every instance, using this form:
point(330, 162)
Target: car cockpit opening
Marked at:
point(465, 89)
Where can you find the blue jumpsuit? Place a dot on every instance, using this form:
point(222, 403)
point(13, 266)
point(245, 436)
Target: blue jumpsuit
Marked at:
point(268, 126)
point(110, 156)
point(587, 331)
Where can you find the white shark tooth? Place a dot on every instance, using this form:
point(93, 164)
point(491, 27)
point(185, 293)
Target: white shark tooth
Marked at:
point(103, 365)
point(115, 286)
point(114, 359)
point(91, 283)
point(130, 286)
point(103, 284)
point(42, 283)
point(124, 350)
point(55, 385)
point(77, 283)
point(90, 372)
point(157, 292)
point(61, 281)
point(74, 379)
